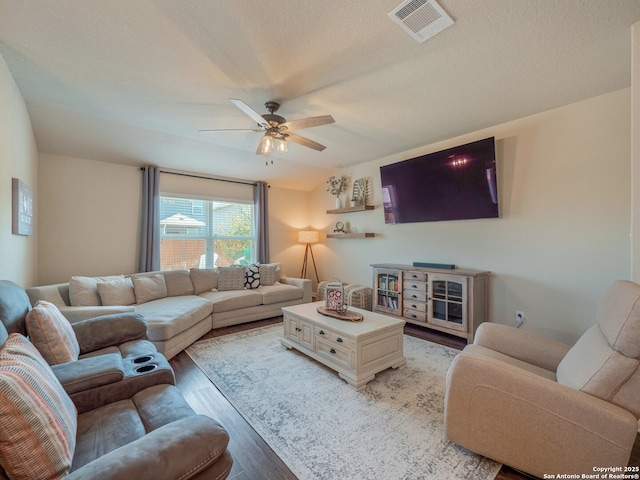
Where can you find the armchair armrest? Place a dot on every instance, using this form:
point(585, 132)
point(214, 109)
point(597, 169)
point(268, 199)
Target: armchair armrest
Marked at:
point(526, 346)
point(88, 373)
point(530, 422)
point(108, 330)
point(303, 283)
point(180, 449)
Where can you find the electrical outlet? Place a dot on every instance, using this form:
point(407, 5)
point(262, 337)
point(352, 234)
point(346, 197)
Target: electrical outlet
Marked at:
point(519, 318)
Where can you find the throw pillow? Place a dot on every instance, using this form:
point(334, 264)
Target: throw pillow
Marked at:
point(231, 278)
point(204, 279)
point(269, 273)
point(149, 287)
point(116, 292)
point(252, 277)
point(83, 291)
point(52, 334)
point(38, 420)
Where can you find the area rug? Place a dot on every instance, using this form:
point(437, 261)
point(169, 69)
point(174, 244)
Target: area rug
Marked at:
point(323, 429)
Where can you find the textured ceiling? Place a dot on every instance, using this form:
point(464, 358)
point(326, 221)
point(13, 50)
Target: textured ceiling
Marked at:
point(133, 82)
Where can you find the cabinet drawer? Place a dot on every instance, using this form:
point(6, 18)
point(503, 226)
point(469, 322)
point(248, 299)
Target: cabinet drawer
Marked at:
point(415, 305)
point(333, 352)
point(415, 286)
point(414, 296)
point(417, 276)
point(332, 337)
point(415, 315)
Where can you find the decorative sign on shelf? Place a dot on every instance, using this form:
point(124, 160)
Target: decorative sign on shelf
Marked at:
point(22, 206)
point(334, 294)
point(359, 196)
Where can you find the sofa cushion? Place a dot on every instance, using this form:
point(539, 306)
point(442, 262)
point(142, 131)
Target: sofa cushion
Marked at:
point(149, 287)
point(233, 299)
point(231, 278)
point(116, 292)
point(280, 293)
point(169, 316)
point(38, 420)
point(105, 429)
point(178, 283)
point(52, 334)
point(83, 291)
point(252, 276)
point(204, 279)
point(269, 273)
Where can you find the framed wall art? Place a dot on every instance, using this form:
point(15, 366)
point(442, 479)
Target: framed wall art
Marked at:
point(22, 208)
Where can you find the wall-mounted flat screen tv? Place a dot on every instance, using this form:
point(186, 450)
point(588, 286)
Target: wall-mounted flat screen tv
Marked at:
point(454, 184)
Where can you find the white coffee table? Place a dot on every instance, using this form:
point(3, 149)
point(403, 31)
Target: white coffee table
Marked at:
point(356, 350)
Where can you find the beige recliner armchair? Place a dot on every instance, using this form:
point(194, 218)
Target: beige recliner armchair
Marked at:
point(541, 406)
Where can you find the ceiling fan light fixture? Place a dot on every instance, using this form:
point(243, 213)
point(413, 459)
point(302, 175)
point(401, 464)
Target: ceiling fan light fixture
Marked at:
point(266, 145)
point(281, 145)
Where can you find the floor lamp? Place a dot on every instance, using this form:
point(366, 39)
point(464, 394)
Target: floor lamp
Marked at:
point(308, 237)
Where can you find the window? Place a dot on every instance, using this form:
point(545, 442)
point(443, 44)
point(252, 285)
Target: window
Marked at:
point(205, 233)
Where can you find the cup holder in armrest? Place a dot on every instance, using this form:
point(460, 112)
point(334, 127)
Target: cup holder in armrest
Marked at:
point(146, 368)
point(143, 359)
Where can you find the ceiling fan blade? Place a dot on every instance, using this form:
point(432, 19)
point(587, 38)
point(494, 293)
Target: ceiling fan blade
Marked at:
point(233, 130)
point(305, 142)
point(308, 122)
point(255, 116)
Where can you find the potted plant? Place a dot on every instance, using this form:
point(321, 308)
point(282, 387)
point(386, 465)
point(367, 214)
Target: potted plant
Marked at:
point(336, 186)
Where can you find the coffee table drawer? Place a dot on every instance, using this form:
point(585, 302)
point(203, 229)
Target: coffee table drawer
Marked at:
point(333, 337)
point(333, 352)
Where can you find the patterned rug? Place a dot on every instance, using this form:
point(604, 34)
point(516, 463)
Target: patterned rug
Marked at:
point(325, 430)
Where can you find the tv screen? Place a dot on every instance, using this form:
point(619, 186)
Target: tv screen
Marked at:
point(454, 184)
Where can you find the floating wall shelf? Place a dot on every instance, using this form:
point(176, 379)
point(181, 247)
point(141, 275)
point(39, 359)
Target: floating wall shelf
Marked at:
point(359, 208)
point(350, 235)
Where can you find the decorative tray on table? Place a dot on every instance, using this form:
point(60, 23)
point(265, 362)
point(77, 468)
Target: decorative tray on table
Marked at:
point(347, 316)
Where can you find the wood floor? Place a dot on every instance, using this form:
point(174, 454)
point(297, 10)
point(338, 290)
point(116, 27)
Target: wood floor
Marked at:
point(253, 458)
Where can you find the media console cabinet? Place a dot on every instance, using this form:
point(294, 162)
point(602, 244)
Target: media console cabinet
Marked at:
point(451, 301)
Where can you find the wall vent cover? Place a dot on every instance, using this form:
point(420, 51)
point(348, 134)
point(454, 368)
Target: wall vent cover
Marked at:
point(421, 19)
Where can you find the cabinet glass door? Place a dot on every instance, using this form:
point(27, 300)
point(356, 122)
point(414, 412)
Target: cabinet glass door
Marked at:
point(388, 291)
point(447, 300)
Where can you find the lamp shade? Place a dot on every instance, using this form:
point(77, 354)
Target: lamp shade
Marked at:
point(308, 236)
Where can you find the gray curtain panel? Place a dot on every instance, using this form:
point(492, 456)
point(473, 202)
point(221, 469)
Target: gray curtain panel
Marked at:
point(260, 199)
point(150, 235)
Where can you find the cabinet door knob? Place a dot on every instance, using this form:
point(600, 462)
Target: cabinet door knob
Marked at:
point(298, 329)
point(339, 340)
point(321, 332)
point(332, 351)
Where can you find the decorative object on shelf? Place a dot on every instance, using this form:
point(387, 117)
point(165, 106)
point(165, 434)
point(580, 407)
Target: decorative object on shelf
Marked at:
point(339, 228)
point(334, 296)
point(337, 186)
point(308, 237)
point(359, 196)
point(22, 203)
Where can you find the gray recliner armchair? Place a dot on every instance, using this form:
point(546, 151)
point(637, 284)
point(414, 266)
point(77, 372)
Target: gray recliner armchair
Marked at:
point(116, 360)
point(544, 407)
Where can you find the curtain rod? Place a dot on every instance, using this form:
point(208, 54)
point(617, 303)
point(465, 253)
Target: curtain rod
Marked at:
point(193, 175)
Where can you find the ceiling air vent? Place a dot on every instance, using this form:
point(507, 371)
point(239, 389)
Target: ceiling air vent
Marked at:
point(421, 19)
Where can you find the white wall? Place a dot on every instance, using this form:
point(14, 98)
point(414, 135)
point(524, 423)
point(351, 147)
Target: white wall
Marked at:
point(288, 213)
point(563, 235)
point(89, 218)
point(18, 159)
point(635, 152)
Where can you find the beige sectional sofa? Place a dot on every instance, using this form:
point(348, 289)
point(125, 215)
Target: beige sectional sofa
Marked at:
point(179, 306)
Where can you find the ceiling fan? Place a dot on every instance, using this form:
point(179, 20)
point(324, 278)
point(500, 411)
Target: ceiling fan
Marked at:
point(276, 129)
